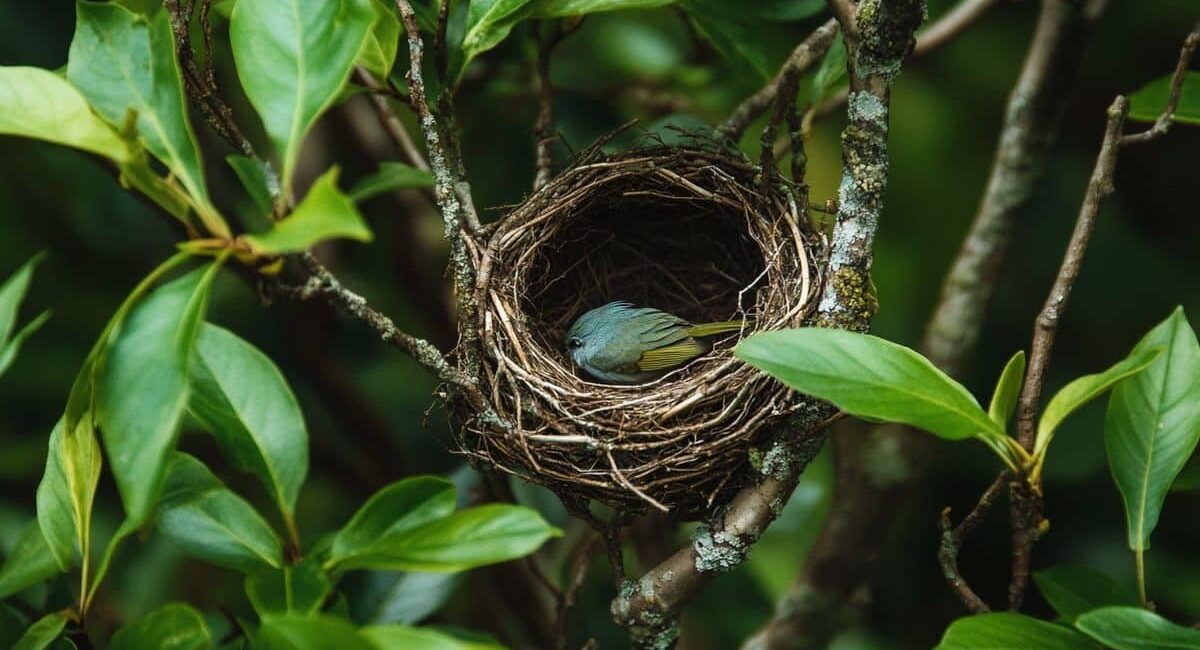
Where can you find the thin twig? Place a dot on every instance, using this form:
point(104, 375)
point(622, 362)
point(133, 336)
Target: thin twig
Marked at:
point(579, 559)
point(390, 121)
point(543, 130)
point(807, 53)
point(950, 25)
point(846, 13)
point(1167, 118)
point(953, 538)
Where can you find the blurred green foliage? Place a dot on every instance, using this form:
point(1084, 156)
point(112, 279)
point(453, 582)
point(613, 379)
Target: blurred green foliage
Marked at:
point(366, 405)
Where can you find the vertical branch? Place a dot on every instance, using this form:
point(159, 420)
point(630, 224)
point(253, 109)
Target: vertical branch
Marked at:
point(453, 195)
point(868, 495)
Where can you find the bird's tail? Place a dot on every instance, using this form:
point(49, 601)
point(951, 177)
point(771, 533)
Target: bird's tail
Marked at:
point(720, 327)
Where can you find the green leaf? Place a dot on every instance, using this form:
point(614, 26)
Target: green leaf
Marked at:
point(869, 377)
point(488, 23)
point(403, 637)
point(1148, 103)
point(1133, 628)
point(8, 353)
point(208, 521)
point(391, 176)
point(125, 62)
point(36, 103)
point(253, 175)
point(42, 633)
point(1083, 390)
point(1008, 389)
point(299, 589)
point(564, 8)
point(831, 72)
point(397, 508)
point(30, 562)
point(68, 490)
point(175, 626)
point(1074, 590)
point(733, 37)
point(325, 213)
point(239, 395)
point(1153, 424)
point(786, 10)
point(403, 597)
point(1004, 630)
point(379, 52)
point(293, 56)
point(465, 540)
point(318, 632)
point(142, 387)
point(12, 292)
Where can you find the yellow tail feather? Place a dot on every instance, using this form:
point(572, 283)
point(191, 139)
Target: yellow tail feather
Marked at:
point(720, 327)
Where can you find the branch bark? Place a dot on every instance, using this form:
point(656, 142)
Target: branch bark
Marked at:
point(869, 493)
point(649, 607)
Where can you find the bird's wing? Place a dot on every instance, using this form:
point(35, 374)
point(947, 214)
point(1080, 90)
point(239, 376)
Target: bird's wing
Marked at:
point(670, 356)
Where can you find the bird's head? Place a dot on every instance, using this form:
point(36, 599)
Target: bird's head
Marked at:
point(585, 333)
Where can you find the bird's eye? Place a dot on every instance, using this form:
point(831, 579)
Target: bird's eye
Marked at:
point(574, 342)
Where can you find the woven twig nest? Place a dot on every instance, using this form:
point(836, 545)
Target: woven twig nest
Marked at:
point(693, 232)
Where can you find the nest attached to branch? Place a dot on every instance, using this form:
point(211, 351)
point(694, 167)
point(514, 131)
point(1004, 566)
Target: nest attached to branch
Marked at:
point(692, 231)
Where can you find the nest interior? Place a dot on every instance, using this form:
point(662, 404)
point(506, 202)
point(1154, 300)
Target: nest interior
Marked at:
point(689, 231)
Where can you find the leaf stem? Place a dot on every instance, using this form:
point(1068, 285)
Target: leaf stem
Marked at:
point(1139, 558)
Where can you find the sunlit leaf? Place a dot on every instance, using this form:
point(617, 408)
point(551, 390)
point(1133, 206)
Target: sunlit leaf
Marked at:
point(869, 377)
point(41, 634)
point(1008, 389)
point(143, 386)
point(30, 562)
point(300, 589)
point(36, 103)
point(488, 23)
point(391, 176)
point(1153, 424)
point(1073, 590)
point(1083, 390)
point(68, 490)
point(125, 64)
point(175, 626)
point(239, 395)
point(293, 56)
point(1134, 628)
point(1148, 103)
point(319, 632)
point(207, 520)
point(379, 52)
point(1008, 630)
point(403, 637)
point(465, 540)
point(325, 213)
point(395, 509)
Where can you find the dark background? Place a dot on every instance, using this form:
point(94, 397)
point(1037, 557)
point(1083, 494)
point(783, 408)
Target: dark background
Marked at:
point(366, 403)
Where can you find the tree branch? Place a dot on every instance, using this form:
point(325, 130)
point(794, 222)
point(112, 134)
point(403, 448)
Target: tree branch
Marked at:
point(807, 53)
point(952, 541)
point(389, 120)
point(869, 494)
point(650, 606)
point(1167, 118)
point(543, 130)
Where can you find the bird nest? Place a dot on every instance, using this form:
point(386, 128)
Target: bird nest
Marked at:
point(693, 232)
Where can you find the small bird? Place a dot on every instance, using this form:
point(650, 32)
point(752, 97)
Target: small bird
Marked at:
point(622, 344)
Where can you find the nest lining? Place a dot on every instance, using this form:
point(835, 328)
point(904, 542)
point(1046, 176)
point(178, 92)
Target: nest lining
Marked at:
point(687, 231)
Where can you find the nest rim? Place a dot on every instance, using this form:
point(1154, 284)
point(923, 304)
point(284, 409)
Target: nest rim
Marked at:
point(681, 442)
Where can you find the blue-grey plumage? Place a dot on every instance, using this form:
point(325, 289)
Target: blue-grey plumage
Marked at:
point(622, 344)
